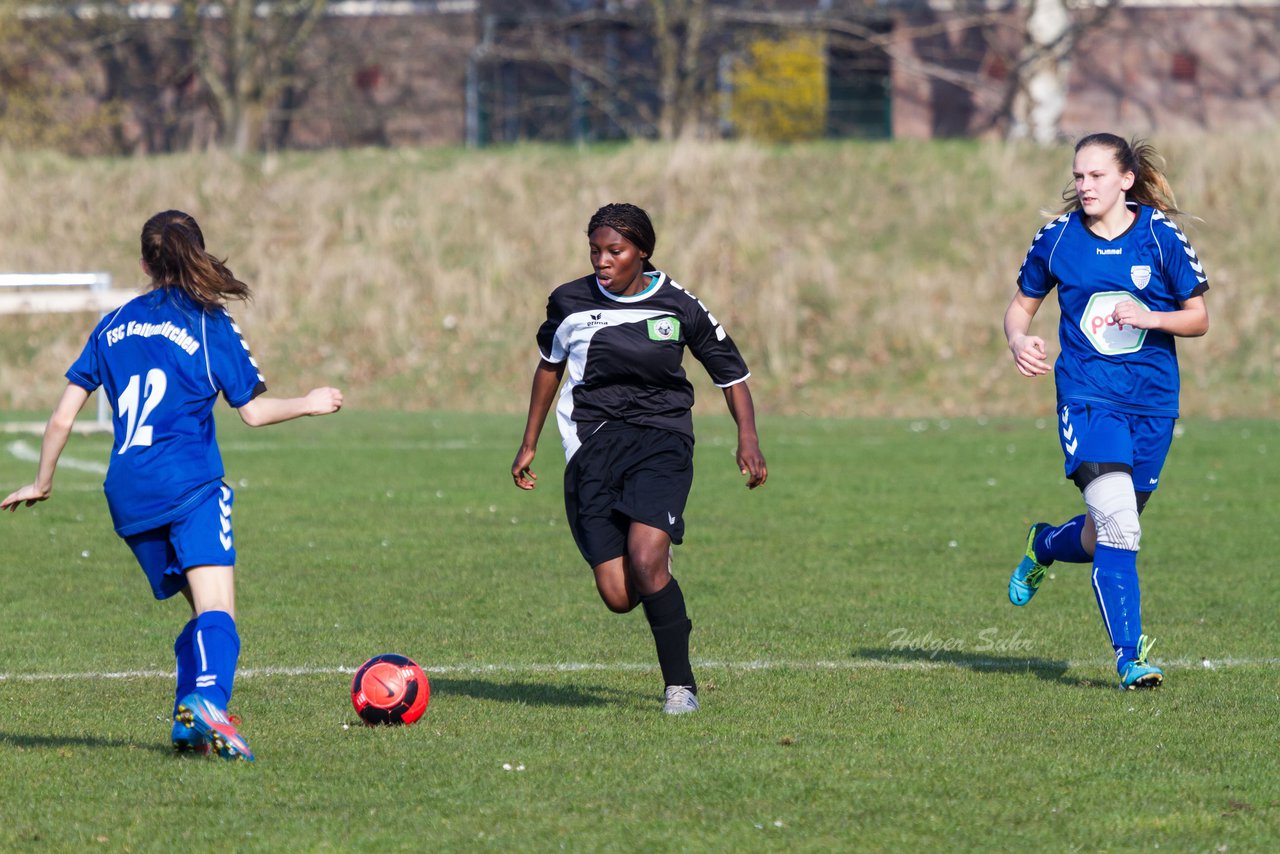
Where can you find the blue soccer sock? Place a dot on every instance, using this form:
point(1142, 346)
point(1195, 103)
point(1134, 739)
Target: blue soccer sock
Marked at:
point(184, 655)
point(1062, 542)
point(217, 648)
point(1115, 586)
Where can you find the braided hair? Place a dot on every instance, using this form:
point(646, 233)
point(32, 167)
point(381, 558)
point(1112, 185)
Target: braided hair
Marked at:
point(632, 223)
point(173, 250)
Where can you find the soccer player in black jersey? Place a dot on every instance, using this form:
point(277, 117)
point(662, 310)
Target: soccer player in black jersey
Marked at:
point(625, 416)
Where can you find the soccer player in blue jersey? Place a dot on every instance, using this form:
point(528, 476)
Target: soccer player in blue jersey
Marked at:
point(625, 417)
point(1128, 284)
point(162, 359)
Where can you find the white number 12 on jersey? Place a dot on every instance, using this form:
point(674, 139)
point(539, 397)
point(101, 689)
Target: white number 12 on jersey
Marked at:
point(137, 432)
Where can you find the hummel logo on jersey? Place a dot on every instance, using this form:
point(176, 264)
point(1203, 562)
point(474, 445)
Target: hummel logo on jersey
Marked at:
point(1069, 440)
point(1102, 251)
point(224, 510)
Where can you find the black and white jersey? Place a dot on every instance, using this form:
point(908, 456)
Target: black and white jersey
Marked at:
point(624, 355)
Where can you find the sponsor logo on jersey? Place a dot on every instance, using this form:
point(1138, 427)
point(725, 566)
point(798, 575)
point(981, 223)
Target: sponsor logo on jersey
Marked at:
point(1140, 275)
point(1100, 327)
point(1102, 251)
point(664, 329)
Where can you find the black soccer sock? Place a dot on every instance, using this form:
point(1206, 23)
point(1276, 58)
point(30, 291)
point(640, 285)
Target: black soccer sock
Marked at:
point(670, 625)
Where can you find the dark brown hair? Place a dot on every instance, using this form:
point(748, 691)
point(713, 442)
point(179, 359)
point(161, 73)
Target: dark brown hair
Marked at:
point(173, 249)
point(629, 221)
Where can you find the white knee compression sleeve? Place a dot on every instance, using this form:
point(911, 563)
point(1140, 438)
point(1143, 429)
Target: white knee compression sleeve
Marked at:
point(1114, 508)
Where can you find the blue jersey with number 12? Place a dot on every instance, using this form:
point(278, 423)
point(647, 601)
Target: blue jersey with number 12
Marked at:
point(162, 359)
point(1153, 264)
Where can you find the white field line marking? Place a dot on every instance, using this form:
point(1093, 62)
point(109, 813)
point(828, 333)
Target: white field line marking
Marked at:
point(629, 667)
point(422, 445)
point(22, 451)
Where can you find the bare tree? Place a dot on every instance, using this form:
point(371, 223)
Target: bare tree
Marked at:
point(952, 53)
point(1037, 97)
point(50, 93)
point(1041, 99)
point(247, 56)
point(646, 65)
point(679, 28)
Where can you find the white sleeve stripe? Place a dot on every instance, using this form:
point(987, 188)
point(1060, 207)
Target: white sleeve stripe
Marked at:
point(245, 344)
point(1049, 262)
point(204, 343)
point(734, 382)
point(107, 326)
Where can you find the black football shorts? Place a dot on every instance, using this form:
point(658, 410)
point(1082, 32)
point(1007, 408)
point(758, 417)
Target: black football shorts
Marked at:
point(625, 473)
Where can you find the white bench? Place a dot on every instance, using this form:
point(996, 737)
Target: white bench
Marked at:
point(43, 293)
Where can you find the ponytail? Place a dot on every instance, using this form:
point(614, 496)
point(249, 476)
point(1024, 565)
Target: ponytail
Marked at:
point(173, 250)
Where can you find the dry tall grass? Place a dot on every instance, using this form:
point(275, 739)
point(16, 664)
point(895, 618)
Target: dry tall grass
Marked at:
point(858, 278)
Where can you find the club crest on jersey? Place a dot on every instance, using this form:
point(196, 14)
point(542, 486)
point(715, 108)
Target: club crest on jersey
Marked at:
point(664, 329)
point(1140, 275)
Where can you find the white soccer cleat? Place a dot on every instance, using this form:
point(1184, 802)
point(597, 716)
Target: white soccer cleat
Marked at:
point(680, 700)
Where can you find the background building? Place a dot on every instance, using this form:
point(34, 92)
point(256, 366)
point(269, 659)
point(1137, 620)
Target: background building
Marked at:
point(137, 78)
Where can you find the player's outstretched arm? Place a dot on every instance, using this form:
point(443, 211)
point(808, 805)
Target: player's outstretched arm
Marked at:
point(262, 411)
point(56, 433)
point(750, 459)
point(546, 379)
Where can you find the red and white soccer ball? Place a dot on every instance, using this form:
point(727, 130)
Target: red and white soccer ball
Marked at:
point(390, 689)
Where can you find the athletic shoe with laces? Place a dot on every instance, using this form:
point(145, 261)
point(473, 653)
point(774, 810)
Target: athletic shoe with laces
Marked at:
point(680, 700)
point(1026, 578)
point(214, 725)
point(1136, 673)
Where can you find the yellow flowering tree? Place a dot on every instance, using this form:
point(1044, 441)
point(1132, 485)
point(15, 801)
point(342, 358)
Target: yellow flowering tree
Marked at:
point(780, 89)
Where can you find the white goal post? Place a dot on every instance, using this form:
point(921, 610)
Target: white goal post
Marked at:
point(43, 293)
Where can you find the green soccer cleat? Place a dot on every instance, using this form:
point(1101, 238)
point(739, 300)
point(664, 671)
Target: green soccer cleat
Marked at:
point(1136, 673)
point(1026, 579)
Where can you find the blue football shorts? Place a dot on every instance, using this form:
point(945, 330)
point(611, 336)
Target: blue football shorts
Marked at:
point(1090, 433)
point(201, 537)
point(625, 473)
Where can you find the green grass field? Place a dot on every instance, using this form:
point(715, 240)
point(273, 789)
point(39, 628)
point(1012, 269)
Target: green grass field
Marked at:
point(865, 683)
